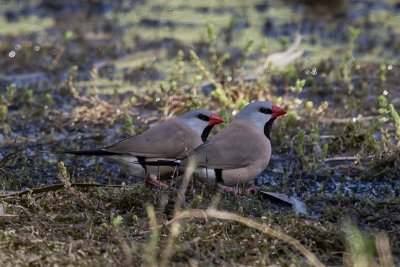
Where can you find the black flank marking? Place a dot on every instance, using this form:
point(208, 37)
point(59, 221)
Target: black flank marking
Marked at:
point(267, 128)
point(173, 163)
point(218, 176)
point(142, 163)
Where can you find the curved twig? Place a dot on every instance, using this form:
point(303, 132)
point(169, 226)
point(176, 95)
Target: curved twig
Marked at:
point(223, 215)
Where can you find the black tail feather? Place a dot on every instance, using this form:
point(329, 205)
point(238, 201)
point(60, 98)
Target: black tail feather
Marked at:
point(101, 152)
point(164, 162)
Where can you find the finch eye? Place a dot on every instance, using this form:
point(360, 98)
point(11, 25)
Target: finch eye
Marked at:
point(265, 110)
point(203, 117)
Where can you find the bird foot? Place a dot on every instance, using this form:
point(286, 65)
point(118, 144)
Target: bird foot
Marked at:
point(252, 190)
point(229, 189)
point(236, 191)
point(156, 183)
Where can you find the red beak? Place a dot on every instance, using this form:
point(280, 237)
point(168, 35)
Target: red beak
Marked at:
point(277, 112)
point(214, 119)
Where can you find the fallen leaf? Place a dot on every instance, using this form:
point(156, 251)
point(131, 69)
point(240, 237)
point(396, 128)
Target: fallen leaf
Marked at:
point(298, 206)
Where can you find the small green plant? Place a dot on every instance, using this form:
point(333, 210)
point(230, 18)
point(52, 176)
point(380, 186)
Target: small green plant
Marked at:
point(133, 100)
point(299, 143)
point(178, 72)
point(221, 97)
point(134, 218)
point(29, 98)
point(105, 225)
point(3, 112)
point(128, 125)
point(382, 75)
point(6, 100)
point(354, 33)
point(385, 108)
point(68, 36)
point(298, 88)
point(117, 221)
point(323, 107)
point(348, 63)
point(48, 98)
point(314, 135)
point(396, 118)
point(226, 100)
point(309, 106)
point(11, 91)
point(63, 175)
point(383, 104)
point(211, 36)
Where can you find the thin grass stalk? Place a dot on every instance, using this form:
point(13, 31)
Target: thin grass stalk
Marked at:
point(223, 215)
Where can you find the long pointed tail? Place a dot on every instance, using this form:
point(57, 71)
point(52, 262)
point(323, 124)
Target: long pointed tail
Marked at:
point(146, 161)
point(164, 162)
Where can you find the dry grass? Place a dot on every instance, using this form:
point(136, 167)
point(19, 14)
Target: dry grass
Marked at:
point(354, 206)
point(110, 219)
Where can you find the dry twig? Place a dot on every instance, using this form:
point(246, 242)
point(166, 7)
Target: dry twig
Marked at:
point(223, 215)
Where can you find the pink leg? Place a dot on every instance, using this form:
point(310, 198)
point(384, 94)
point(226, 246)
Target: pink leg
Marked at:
point(229, 189)
point(152, 181)
point(252, 190)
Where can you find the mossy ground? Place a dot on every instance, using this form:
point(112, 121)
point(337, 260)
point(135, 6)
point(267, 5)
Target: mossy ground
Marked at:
point(73, 80)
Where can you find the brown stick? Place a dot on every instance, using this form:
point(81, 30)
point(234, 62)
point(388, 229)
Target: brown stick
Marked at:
point(8, 217)
point(55, 187)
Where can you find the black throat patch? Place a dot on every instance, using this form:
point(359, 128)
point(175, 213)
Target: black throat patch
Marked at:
point(206, 132)
point(267, 128)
